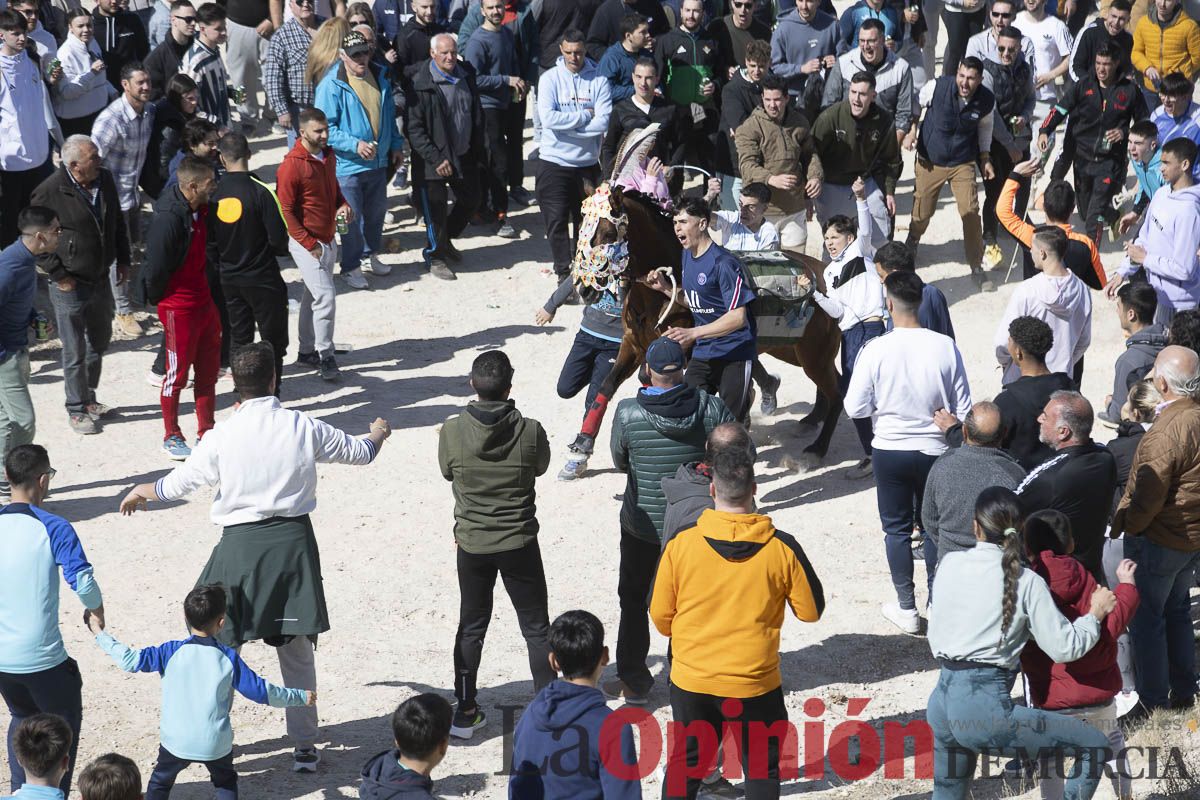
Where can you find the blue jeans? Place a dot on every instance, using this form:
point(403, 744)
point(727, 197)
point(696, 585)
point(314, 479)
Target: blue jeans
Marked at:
point(899, 490)
point(366, 192)
point(588, 364)
point(1163, 648)
point(971, 711)
point(853, 340)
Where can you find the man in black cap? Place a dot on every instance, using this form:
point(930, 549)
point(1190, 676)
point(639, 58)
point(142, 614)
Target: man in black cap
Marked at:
point(655, 433)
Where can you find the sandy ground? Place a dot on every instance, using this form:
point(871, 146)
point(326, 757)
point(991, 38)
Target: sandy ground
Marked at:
point(385, 529)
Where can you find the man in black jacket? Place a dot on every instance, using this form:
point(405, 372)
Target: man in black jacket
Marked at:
point(1111, 29)
point(447, 148)
point(248, 236)
point(1101, 106)
point(605, 28)
point(630, 114)
point(739, 97)
point(163, 62)
point(1077, 480)
point(412, 42)
point(687, 66)
point(121, 36)
point(84, 196)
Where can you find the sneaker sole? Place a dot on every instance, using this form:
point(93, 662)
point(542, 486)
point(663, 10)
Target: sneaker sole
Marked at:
point(304, 767)
point(175, 456)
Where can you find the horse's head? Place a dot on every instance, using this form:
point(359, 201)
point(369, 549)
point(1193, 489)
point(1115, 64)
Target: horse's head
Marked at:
point(603, 251)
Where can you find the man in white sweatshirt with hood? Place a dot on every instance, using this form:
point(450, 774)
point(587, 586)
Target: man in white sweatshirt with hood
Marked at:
point(1057, 297)
point(1166, 246)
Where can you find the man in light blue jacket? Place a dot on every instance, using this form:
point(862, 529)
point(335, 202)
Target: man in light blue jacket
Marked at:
point(574, 104)
point(364, 135)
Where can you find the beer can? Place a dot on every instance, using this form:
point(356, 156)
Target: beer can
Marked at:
point(41, 327)
point(343, 227)
point(52, 65)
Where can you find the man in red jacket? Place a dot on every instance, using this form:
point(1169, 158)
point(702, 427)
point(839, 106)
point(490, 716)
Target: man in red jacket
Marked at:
point(313, 206)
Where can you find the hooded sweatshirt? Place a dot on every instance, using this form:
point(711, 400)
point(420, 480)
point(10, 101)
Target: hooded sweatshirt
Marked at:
point(557, 748)
point(1134, 364)
point(796, 42)
point(309, 195)
point(493, 455)
point(1171, 235)
point(727, 580)
point(574, 108)
point(1063, 303)
point(688, 496)
point(25, 115)
point(1094, 678)
point(1149, 178)
point(384, 778)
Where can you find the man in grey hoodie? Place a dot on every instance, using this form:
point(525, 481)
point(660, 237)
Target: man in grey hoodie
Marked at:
point(687, 491)
point(1136, 305)
point(803, 49)
point(960, 474)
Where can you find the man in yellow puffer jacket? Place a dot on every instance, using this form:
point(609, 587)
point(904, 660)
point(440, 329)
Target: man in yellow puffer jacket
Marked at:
point(719, 595)
point(1166, 40)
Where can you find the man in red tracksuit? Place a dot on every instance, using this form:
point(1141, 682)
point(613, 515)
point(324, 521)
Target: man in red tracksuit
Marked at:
point(174, 277)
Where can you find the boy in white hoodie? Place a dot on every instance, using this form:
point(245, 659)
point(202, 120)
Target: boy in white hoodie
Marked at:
point(1057, 297)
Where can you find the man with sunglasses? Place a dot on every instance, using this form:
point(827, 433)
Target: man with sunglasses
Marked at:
point(163, 63)
point(18, 286)
point(733, 33)
point(984, 44)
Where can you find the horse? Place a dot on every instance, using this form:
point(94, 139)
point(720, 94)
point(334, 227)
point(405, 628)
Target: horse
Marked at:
point(628, 238)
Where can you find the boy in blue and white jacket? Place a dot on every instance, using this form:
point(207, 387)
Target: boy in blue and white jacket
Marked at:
point(198, 678)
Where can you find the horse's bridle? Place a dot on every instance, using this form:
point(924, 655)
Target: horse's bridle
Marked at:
point(601, 266)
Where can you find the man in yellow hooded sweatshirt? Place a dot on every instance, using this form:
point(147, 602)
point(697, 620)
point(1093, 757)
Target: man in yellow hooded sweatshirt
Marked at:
point(719, 594)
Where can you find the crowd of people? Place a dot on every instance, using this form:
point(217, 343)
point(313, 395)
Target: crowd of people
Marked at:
point(126, 188)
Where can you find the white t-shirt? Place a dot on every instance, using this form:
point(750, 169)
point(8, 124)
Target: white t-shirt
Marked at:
point(1051, 44)
point(729, 232)
point(900, 379)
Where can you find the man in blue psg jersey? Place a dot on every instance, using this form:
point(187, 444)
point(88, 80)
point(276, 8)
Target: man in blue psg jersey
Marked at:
point(723, 339)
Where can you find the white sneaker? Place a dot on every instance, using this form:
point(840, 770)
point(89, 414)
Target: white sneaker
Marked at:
point(1125, 701)
point(355, 279)
point(373, 265)
point(305, 759)
point(907, 620)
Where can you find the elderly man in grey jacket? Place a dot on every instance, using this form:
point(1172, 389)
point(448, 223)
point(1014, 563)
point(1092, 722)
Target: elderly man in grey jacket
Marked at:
point(959, 475)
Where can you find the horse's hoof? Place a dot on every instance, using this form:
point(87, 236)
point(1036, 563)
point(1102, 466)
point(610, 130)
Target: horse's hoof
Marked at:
point(811, 421)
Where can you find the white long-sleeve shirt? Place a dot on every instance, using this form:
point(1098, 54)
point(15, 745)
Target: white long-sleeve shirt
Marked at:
point(1062, 302)
point(899, 380)
point(263, 460)
point(860, 297)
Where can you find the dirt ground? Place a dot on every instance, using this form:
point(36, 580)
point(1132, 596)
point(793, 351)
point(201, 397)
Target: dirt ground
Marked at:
point(385, 529)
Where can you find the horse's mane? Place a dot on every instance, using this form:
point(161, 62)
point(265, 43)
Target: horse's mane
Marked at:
point(653, 211)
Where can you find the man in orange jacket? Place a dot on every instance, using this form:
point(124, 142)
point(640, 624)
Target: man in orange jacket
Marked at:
point(1058, 202)
point(724, 649)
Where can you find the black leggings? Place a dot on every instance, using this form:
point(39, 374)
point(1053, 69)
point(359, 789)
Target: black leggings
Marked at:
point(525, 581)
point(728, 379)
point(960, 27)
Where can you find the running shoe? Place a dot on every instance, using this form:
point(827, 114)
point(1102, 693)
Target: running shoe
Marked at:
point(906, 619)
point(329, 369)
point(355, 279)
point(82, 424)
point(770, 402)
point(464, 724)
point(305, 759)
point(176, 448)
point(308, 360)
point(574, 469)
point(97, 411)
point(373, 265)
point(522, 197)
point(860, 470)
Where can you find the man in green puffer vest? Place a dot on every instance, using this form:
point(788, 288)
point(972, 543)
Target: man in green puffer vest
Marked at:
point(664, 427)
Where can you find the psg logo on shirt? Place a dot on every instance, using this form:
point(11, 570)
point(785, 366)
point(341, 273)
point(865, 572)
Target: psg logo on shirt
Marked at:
point(701, 279)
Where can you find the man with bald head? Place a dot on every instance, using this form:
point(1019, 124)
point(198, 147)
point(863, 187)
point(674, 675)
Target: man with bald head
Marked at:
point(1076, 478)
point(1160, 517)
point(959, 475)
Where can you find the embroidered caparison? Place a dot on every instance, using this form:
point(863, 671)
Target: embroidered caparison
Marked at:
point(599, 266)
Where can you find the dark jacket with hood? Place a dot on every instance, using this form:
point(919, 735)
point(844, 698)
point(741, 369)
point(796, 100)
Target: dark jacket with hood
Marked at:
point(652, 435)
point(412, 49)
point(687, 494)
point(384, 779)
point(122, 39)
point(90, 240)
point(1123, 448)
point(556, 733)
point(1021, 403)
point(739, 98)
point(1095, 678)
point(430, 126)
point(604, 29)
point(493, 456)
point(166, 246)
point(1135, 364)
point(1076, 481)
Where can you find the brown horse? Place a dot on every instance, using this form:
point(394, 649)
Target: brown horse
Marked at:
point(653, 244)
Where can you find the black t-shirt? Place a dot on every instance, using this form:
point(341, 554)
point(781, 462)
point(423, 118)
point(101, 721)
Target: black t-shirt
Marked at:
point(250, 13)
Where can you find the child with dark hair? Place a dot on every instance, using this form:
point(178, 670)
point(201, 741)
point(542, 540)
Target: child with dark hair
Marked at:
point(421, 731)
point(556, 747)
point(1086, 687)
point(42, 746)
point(199, 675)
point(112, 776)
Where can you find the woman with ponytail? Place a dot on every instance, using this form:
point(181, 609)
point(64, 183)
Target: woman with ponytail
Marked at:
point(987, 606)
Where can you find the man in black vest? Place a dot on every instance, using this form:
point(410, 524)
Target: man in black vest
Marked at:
point(1009, 77)
point(956, 132)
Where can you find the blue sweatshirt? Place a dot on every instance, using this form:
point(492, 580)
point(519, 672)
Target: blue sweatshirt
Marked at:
point(1149, 176)
point(562, 724)
point(493, 54)
point(199, 675)
point(570, 135)
point(31, 792)
point(616, 65)
point(349, 123)
point(36, 545)
point(18, 285)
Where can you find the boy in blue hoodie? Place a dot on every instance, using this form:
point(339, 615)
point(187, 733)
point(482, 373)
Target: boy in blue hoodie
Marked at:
point(564, 722)
point(1145, 157)
point(421, 729)
point(199, 675)
point(41, 744)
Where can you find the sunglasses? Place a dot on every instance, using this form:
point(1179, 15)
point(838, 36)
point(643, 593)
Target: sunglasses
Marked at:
point(1002, 14)
point(742, 5)
point(188, 20)
point(1007, 49)
point(305, 3)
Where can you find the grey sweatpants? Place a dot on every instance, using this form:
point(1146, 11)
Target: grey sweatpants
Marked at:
point(298, 670)
point(319, 301)
point(244, 54)
point(17, 424)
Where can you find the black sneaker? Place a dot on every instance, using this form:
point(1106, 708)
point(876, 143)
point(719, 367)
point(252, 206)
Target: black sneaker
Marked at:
point(451, 252)
point(770, 387)
point(439, 269)
point(522, 197)
point(309, 360)
point(464, 724)
point(329, 369)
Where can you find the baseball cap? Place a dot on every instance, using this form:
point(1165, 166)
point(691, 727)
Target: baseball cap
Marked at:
point(355, 43)
point(664, 356)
